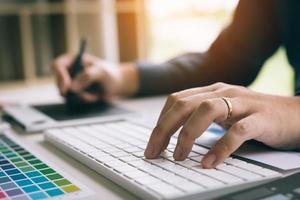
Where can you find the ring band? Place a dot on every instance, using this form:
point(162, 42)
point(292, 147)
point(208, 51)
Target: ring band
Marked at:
point(229, 106)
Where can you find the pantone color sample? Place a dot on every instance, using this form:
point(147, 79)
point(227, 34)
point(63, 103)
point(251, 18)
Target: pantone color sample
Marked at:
point(23, 176)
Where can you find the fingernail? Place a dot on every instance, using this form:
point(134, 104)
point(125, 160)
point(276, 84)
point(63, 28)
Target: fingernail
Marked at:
point(149, 152)
point(209, 160)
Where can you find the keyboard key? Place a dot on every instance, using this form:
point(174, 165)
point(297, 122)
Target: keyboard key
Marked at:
point(111, 150)
point(190, 187)
point(240, 172)
point(140, 164)
point(142, 145)
point(120, 154)
point(156, 161)
point(139, 154)
point(199, 149)
point(188, 163)
point(166, 154)
point(203, 180)
point(129, 158)
point(193, 154)
point(165, 189)
point(135, 174)
point(151, 169)
point(171, 166)
point(233, 161)
point(147, 180)
point(98, 154)
point(197, 158)
point(173, 179)
point(166, 165)
point(115, 163)
point(158, 172)
point(133, 149)
point(105, 158)
point(219, 175)
point(124, 168)
point(123, 145)
point(171, 149)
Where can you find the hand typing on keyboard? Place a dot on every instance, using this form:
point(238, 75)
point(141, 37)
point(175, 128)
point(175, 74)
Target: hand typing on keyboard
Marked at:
point(244, 113)
point(115, 149)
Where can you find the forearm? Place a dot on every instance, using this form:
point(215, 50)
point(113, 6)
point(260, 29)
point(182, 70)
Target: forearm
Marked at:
point(191, 70)
point(235, 57)
point(130, 79)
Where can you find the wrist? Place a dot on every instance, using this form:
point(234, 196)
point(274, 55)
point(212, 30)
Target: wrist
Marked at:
point(129, 80)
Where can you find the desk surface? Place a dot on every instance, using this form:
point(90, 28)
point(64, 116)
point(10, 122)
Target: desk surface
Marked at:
point(97, 183)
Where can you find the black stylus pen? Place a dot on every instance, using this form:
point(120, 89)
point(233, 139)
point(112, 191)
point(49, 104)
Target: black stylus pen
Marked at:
point(72, 99)
point(78, 65)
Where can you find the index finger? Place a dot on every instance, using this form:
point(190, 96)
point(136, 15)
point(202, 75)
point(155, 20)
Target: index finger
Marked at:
point(88, 59)
point(172, 120)
point(60, 67)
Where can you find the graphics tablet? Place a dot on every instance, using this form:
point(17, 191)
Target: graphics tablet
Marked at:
point(40, 117)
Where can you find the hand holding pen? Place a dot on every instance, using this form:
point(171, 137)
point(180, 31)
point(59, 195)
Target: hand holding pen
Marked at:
point(114, 79)
point(73, 99)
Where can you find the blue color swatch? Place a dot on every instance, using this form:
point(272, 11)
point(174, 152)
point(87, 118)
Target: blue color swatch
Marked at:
point(23, 176)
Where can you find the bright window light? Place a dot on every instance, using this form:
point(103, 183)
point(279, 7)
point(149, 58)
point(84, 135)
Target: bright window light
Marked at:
point(178, 26)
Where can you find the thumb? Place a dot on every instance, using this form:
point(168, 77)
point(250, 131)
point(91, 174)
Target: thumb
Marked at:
point(86, 78)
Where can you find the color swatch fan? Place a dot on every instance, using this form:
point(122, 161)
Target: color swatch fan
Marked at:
point(23, 176)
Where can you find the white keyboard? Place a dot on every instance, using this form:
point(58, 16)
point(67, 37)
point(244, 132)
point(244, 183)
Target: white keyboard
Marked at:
point(116, 151)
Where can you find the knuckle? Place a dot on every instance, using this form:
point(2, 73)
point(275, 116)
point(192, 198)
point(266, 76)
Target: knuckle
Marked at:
point(237, 90)
point(242, 129)
point(59, 61)
point(86, 74)
point(223, 147)
point(232, 91)
point(159, 134)
point(241, 88)
point(220, 84)
point(181, 104)
point(206, 106)
point(158, 130)
point(268, 110)
point(173, 97)
point(186, 136)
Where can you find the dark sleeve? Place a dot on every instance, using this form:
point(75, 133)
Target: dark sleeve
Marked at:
point(235, 57)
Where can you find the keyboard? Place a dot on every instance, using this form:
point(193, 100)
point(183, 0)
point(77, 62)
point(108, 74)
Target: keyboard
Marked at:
point(116, 151)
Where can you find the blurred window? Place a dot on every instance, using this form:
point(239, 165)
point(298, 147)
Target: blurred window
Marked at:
point(177, 26)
